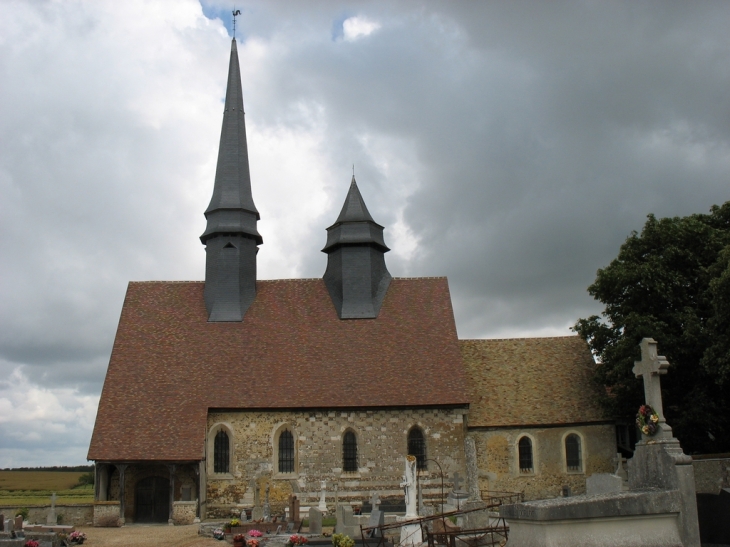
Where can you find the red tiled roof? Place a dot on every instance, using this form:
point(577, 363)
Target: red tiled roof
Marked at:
point(169, 365)
point(530, 381)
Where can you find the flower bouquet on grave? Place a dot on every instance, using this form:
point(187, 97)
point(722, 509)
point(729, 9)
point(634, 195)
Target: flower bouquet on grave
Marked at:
point(255, 533)
point(342, 540)
point(31, 543)
point(252, 543)
point(647, 420)
point(219, 534)
point(239, 540)
point(296, 539)
point(76, 538)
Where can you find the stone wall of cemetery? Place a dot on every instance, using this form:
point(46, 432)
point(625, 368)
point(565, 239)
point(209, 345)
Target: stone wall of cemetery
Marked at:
point(381, 443)
point(498, 461)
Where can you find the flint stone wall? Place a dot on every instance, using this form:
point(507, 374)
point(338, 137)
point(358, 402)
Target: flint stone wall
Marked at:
point(498, 461)
point(381, 444)
point(80, 514)
point(183, 512)
point(105, 509)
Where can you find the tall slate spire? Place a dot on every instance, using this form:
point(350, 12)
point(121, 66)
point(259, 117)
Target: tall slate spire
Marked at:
point(231, 237)
point(356, 276)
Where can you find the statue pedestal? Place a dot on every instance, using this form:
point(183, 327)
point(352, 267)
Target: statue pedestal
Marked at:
point(410, 534)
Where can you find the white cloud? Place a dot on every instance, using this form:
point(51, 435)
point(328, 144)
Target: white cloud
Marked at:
point(39, 425)
point(357, 27)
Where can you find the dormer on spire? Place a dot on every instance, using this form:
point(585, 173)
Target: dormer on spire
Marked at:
point(356, 276)
point(231, 237)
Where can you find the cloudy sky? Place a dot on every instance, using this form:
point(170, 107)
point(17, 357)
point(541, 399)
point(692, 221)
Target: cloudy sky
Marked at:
point(511, 146)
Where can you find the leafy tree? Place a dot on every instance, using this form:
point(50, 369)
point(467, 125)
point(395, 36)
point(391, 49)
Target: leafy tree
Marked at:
point(670, 283)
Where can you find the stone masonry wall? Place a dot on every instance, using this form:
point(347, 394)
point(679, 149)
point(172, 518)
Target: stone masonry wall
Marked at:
point(712, 474)
point(74, 515)
point(183, 512)
point(497, 459)
point(381, 443)
point(105, 510)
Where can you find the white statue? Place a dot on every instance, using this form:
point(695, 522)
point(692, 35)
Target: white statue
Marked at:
point(409, 487)
point(410, 534)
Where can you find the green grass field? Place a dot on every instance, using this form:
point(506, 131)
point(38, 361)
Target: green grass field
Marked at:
point(29, 488)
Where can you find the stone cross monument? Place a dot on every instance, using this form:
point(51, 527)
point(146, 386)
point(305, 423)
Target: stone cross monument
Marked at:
point(649, 369)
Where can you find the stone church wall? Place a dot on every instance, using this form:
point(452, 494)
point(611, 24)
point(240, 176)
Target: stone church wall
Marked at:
point(381, 443)
point(498, 462)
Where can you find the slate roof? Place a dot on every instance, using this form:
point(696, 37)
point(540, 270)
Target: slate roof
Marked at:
point(169, 364)
point(530, 381)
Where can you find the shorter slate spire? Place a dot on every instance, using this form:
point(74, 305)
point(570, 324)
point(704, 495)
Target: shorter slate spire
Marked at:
point(231, 238)
point(356, 276)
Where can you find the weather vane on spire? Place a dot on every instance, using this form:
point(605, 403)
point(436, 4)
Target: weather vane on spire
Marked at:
point(235, 12)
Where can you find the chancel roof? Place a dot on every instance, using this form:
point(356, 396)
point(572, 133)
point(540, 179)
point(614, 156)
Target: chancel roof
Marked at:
point(169, 365)
point(530, 381)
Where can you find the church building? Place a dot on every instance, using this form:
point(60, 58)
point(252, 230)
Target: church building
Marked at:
point(219, 390)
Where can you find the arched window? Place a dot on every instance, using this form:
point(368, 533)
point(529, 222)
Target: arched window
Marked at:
point(417, 447)
point(524, 447)
point(286, 452)
point(349, 452)
point(572, 452)
point(221, 452)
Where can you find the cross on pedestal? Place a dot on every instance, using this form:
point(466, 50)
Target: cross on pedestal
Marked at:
point(375, 500)
point(649, 368)
point(457, 481)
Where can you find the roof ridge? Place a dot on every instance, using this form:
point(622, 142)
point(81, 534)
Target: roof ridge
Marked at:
point(518, 338)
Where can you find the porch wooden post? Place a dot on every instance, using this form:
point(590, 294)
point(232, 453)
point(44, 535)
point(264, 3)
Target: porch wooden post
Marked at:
point(172, 491)
point(202, 490)
point(122, 468)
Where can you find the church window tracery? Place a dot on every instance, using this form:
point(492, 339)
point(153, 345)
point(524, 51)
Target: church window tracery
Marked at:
point(221, 453)
point(417, 447)
point(286, 452)
point(573, 453)
point(524, 448)
point(349, 452)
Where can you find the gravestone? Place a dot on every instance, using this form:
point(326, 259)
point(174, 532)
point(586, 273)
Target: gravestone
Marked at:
point(2, 522)
point(323, 498)
point(315, 521)
point(278, 530)
point(457, 497)
point(377, 519)
point(345, 522)
point(257, 513)
point(51, 519)
point(267, 506)
point(603, 483)
point(290, 527)
point(621, 471)
point(18, 523)
point(293, 508)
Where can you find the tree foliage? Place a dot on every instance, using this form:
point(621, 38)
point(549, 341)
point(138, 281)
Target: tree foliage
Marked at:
point(670, 283)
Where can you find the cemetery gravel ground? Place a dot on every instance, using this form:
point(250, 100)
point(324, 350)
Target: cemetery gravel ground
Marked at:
point(146, 535)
